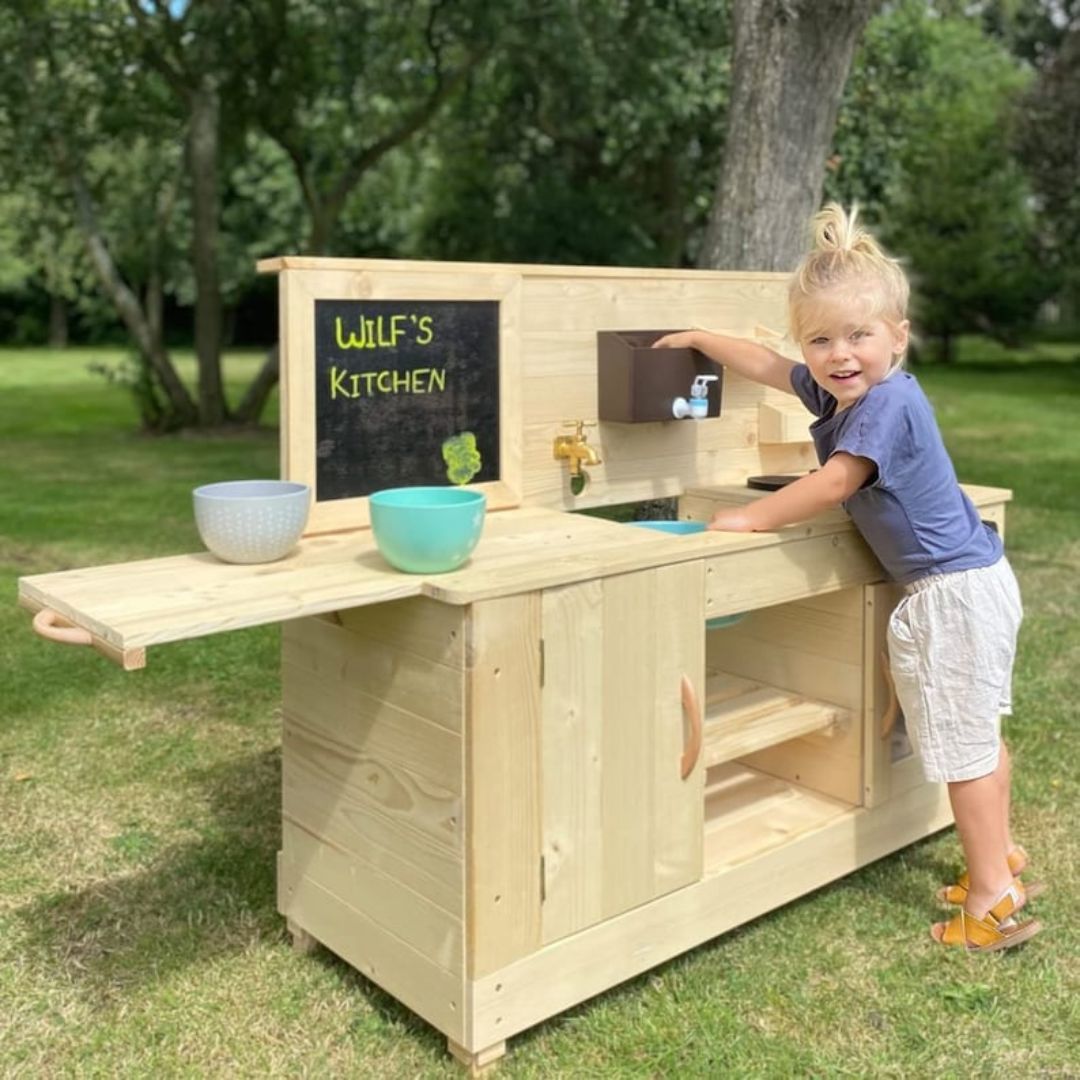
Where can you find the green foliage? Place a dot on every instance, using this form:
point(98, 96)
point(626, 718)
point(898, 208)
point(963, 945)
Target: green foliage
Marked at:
point(1048, 141)
point(963, 213)
point(591, 136)
point(923, 141)
point(574, 132)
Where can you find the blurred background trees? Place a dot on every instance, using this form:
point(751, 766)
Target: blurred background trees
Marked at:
point(152, 150)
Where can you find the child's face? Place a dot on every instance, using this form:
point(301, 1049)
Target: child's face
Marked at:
point(847, 357)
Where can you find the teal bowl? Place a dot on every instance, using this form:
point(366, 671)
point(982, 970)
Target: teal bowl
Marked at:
point(685, 528)
point(427, 530)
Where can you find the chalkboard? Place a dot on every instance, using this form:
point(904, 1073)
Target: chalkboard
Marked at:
point(407, 392)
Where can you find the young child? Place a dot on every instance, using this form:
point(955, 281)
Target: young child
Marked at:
point(952, 637)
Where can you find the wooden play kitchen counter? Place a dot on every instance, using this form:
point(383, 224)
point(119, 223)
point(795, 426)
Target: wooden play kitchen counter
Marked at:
point(510, 787)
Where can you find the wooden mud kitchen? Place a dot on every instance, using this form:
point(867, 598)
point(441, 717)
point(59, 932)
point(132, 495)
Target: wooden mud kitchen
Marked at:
point(512, 786)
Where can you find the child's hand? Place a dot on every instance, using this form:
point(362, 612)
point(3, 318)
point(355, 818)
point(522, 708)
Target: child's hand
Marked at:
point(682, 339)
point(731, 519)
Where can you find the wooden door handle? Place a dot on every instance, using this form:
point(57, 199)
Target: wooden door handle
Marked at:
point(692, 746)
point(49, 624)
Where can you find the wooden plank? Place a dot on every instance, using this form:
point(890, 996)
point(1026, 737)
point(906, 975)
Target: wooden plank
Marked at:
point(781, 573)
point(615, 302)
point(411, 757)
point(749, 814)
point(133, 605)
point(378, 813)
point(364, 773)
point(883, 778)
point(421, 626)
point(629, 744)
point(743, 716)
point(503, 784)
point(328, 660)
point(784, 422)
point(427, 989)
point(573, 762)
point(279, 263)
point(679, 653)
point(432, 931)
point(573, 969)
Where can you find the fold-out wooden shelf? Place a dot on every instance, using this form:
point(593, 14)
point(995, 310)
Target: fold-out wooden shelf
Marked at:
point(748, 813)
point(742, 716)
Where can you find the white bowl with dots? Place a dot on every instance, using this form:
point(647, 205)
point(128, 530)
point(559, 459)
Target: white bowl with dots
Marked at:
point(251, 521)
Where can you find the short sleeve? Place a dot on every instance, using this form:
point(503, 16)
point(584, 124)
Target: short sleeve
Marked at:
point(820, 402)
point(878, 429)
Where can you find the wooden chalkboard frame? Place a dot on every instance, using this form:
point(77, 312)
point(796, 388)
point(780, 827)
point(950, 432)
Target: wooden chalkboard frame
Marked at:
point(300, 287)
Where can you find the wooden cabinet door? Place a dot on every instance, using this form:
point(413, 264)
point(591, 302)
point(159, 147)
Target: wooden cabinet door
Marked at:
point(623, 661)
point(891, 766)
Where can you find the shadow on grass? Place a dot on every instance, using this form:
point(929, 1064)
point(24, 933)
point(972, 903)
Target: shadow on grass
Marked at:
point(194, 901)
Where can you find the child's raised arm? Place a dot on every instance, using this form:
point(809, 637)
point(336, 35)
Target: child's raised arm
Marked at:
point(748, 358)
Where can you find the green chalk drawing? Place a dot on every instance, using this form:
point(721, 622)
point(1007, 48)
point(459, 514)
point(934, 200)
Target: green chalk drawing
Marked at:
point(461, 457)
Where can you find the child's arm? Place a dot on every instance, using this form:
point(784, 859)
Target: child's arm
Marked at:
point(838, 479)
point(748, 358)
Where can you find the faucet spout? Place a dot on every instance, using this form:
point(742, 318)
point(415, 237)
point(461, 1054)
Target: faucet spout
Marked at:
point(576, 450)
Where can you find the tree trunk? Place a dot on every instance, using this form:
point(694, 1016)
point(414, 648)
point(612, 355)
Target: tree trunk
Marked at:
point(203, 142)
point(149, 344)
point(58, 322)
point(791, 60)
point(255, 397)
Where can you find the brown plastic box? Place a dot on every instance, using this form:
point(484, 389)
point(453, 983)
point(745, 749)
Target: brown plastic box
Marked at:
point(637, 384)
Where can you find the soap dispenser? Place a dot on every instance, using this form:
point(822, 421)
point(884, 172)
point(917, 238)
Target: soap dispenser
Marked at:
point(697, 407)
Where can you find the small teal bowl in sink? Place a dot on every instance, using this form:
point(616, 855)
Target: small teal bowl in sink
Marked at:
point(427, 530)
point(685, 528)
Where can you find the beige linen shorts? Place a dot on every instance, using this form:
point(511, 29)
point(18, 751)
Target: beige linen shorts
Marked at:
point(952, 642)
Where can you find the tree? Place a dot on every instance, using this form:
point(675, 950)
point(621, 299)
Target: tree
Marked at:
point(190, 46)
point(791, 59)
point(74, 118)
point(338, 85)
point(1048, 140)
point(961, 209)
point(582, 139)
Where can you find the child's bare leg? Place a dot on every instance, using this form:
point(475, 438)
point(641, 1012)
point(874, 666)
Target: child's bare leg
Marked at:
point(979, 808)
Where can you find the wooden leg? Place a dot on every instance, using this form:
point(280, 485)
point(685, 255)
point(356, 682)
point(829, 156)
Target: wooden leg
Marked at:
point(482, 1061)
point(302, 942)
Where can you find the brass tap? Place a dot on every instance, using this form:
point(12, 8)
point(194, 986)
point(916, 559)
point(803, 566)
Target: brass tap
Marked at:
point(576, 449)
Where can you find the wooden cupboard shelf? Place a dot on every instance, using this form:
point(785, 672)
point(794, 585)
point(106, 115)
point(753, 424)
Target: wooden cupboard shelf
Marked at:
point(748, 813)
point(742, 716)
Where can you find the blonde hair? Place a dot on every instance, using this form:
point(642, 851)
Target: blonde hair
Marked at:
point(846, 265)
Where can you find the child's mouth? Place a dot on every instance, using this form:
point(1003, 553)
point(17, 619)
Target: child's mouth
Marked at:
point(843, 376)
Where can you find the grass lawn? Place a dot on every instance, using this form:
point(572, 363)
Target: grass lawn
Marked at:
point(138, 930)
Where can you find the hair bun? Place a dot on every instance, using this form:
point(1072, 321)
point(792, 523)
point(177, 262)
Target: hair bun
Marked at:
point(846, 256)
point(834, 229)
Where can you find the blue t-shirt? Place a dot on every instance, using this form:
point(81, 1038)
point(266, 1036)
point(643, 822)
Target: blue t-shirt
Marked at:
point(912, 513)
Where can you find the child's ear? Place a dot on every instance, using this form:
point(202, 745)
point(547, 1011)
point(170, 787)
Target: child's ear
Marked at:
point(900, 337)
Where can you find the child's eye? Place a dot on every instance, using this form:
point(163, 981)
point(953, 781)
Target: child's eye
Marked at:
point(860, 334)
point(819, 341)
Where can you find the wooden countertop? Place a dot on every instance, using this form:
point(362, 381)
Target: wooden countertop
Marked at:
point(128, 606)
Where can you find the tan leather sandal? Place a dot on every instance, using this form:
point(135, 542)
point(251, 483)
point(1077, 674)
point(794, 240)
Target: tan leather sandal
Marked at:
point(996, 930)
point(1017, 859)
